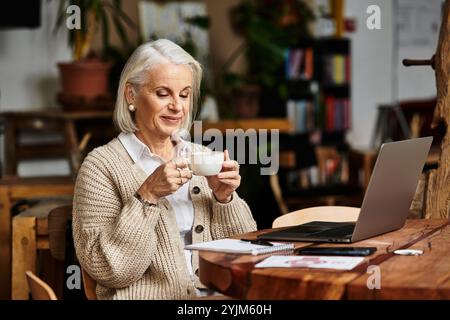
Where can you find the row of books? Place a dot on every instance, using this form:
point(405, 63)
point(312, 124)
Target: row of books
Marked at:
point(336, 69)
point(337, 113)
point(335, 172)
point(306, 116)
point(302, 114)
point(299, 64)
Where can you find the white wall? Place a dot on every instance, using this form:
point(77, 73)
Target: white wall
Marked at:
point(28, 73)
point(371, 68)
point(372, 64)
point(28, 57)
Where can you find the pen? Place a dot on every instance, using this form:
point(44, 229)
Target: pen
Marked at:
point(258, 241)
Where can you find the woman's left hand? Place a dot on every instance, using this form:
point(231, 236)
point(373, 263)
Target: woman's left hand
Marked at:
point(228, 180)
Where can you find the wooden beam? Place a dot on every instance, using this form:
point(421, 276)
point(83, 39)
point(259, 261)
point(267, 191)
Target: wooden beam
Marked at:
point(46, 151)
point(44, 190)
point(5, 243)
point(437, 203)
point(24, 255)
point(284, 125)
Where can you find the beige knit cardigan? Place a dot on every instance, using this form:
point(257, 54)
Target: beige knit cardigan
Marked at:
point(135, 252)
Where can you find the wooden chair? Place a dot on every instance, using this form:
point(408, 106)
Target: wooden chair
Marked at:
point(57, 221)
point(16, 189)
point(39, 289)
point(323, 213)
point(89, 285)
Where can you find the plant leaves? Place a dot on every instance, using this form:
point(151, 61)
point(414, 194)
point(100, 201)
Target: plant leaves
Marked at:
point(105, 30)
point(117, 6)
point(199, 21)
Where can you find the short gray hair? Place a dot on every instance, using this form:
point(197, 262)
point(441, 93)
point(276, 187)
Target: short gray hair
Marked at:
point(135, 72)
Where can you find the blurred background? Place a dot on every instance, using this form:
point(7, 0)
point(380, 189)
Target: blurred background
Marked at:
point(327, 74)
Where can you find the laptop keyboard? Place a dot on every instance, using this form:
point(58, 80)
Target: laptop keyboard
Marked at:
point(340, 232)
point(314, 231)
point(324, 229)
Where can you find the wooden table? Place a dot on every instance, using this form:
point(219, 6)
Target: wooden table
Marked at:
point(402, 277)
point(72, 125)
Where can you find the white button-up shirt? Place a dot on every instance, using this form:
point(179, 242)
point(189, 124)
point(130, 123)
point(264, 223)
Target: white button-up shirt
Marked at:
point(180, 200)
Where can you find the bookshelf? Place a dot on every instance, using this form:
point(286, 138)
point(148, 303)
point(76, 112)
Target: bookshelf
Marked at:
point(317, 73)
point(318, 77)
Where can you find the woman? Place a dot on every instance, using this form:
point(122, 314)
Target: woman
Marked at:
point(136, 203)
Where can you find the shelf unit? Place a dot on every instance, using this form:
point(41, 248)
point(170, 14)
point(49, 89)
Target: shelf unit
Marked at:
point(319, 105)
point(318, 83)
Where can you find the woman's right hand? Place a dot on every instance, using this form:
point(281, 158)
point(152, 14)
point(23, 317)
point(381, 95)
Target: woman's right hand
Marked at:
point(165, 180)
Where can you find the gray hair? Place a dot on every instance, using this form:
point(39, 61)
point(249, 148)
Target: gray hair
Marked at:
point(135, 72)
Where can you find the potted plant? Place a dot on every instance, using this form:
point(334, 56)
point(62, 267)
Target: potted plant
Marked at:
point(268, 27)
point(85, 80)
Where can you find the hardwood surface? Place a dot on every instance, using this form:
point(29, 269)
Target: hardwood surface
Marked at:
point(402, 277)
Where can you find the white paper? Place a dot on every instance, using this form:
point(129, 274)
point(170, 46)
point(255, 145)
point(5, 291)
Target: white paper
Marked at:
point(316, 262)
point(239, 247)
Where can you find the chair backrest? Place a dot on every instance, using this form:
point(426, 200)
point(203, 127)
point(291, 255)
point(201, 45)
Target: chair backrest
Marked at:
point(89, 285)
point(57, 223)
point(39, 289)
point(323, 213)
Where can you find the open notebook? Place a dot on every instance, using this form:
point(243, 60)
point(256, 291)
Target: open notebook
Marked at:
point(240, 247)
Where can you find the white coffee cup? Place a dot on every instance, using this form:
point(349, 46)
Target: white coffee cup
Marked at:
point(206, 163)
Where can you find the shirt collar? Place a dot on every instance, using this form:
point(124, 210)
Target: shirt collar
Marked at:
point(137, 149)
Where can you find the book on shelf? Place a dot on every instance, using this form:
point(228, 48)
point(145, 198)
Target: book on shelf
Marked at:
point(335, 172)
point(306, 117)
point(337, 113)
point(336, 69)
point(299, 64)
point(302, 114)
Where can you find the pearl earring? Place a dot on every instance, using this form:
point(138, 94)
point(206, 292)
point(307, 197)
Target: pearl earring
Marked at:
point(131, 107)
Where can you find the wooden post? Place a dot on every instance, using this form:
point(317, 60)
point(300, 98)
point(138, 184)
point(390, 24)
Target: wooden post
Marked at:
point(438, 193)
point(432, 198)
point(24, 255)
point(5, 243)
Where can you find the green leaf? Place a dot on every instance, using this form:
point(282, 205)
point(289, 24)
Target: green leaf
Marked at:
point(121, 31)
point(61, 15)
point(232, 80)
point(201, 22)
point(105, 30)
point(117, 6)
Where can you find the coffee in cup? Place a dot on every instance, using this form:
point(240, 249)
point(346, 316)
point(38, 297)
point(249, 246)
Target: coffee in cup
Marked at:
point(207, 163)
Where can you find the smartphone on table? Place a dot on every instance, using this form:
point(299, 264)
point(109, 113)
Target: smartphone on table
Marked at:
point(336, 251)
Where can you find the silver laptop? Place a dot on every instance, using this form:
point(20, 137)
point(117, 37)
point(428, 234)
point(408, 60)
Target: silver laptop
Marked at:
point(386, 202)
